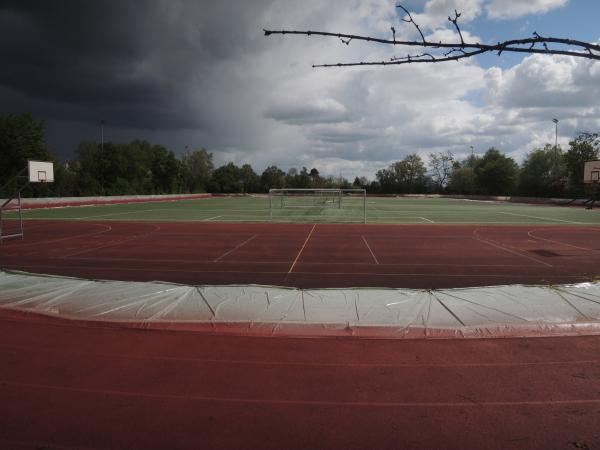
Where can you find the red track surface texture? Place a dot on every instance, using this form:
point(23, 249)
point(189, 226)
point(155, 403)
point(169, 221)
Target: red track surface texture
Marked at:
point(308, 256)
point(68, 386)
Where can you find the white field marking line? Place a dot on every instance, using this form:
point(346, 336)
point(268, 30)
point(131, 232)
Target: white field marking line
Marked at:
point(114, 214)
point(501, 247)
point(257, 362)
point(370, 250)
point(51, 241)
point(270, 401)
point(235, 248)
point(211, 218)
point(302, 249)
point(425, 218)
point(530, 233)
point(541, 218)
point(79, 252)
point(345, 274)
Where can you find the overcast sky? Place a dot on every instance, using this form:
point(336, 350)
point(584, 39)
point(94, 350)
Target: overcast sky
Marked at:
point(201, 74)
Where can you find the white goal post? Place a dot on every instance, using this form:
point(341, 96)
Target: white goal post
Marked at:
point(319, 199)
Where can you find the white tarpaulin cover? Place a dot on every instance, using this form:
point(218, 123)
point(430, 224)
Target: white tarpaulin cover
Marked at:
point(469, 312)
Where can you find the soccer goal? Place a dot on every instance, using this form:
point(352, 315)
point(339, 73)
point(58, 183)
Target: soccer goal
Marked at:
point(318, 205)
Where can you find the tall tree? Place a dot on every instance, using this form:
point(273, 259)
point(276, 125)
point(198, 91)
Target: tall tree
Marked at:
point(543, 173)
point(272, 178)
point(387, 180)
point(441, 166)
point(360, 182)
point(463, 181)
point(406, 176)
point(21, 138)
point(411, 174)
point(496, 173)
point(198, 167)
point(250, 180)
point(227, 179)
point(314, 175)
point(586, 147)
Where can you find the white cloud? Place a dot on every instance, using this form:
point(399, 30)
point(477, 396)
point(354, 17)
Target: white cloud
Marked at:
point(435, 13)
point(526, 97)
point(300, 111)
point(258, 100)
point(513, 9)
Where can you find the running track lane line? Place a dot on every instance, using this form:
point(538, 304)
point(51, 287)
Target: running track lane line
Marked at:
point(51, 241)
point(530, 234)
point(235, 248)
point(111, 244)
point(369, 247)
point(267, 401)
point(258, 362)
point(302, 249)
point(494, 244)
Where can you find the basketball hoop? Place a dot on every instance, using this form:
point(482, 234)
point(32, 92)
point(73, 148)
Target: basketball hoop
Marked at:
point(41, 172)
point(591, 172)
point(591, 178)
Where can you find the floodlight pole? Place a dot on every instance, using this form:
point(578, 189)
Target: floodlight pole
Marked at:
point(556, 132)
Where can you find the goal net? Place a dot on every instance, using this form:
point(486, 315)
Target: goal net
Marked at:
point(318, 205)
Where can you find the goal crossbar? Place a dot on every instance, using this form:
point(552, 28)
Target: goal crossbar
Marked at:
point(320, 199)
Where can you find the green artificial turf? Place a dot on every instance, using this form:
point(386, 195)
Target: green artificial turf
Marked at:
point(400, 210)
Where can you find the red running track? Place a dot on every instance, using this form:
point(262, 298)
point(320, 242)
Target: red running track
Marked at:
point(66, 385)
point(308, 256)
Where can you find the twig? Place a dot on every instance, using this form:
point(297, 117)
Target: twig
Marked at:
point(456, 51)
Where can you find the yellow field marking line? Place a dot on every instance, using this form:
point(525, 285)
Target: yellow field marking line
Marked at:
point(302, 249)
point(369, 247)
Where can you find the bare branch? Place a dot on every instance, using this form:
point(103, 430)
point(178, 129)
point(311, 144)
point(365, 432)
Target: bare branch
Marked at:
point(456, 51)
point(410, 20)
point(455, 22)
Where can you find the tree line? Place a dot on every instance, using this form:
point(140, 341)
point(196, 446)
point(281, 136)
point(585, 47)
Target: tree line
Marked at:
point(545, 172)
point(139, 167)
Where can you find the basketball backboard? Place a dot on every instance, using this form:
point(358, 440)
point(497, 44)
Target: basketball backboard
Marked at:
point(591, 172)
point(41, 172)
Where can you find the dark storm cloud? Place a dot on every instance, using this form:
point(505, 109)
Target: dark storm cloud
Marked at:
point(134, 62)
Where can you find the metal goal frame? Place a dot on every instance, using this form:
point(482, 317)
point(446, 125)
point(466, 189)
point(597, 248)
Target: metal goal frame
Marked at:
point(321, 198)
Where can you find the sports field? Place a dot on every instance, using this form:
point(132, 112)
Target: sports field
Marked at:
point(400, 210)
point(416, 394)
point(406, 243)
